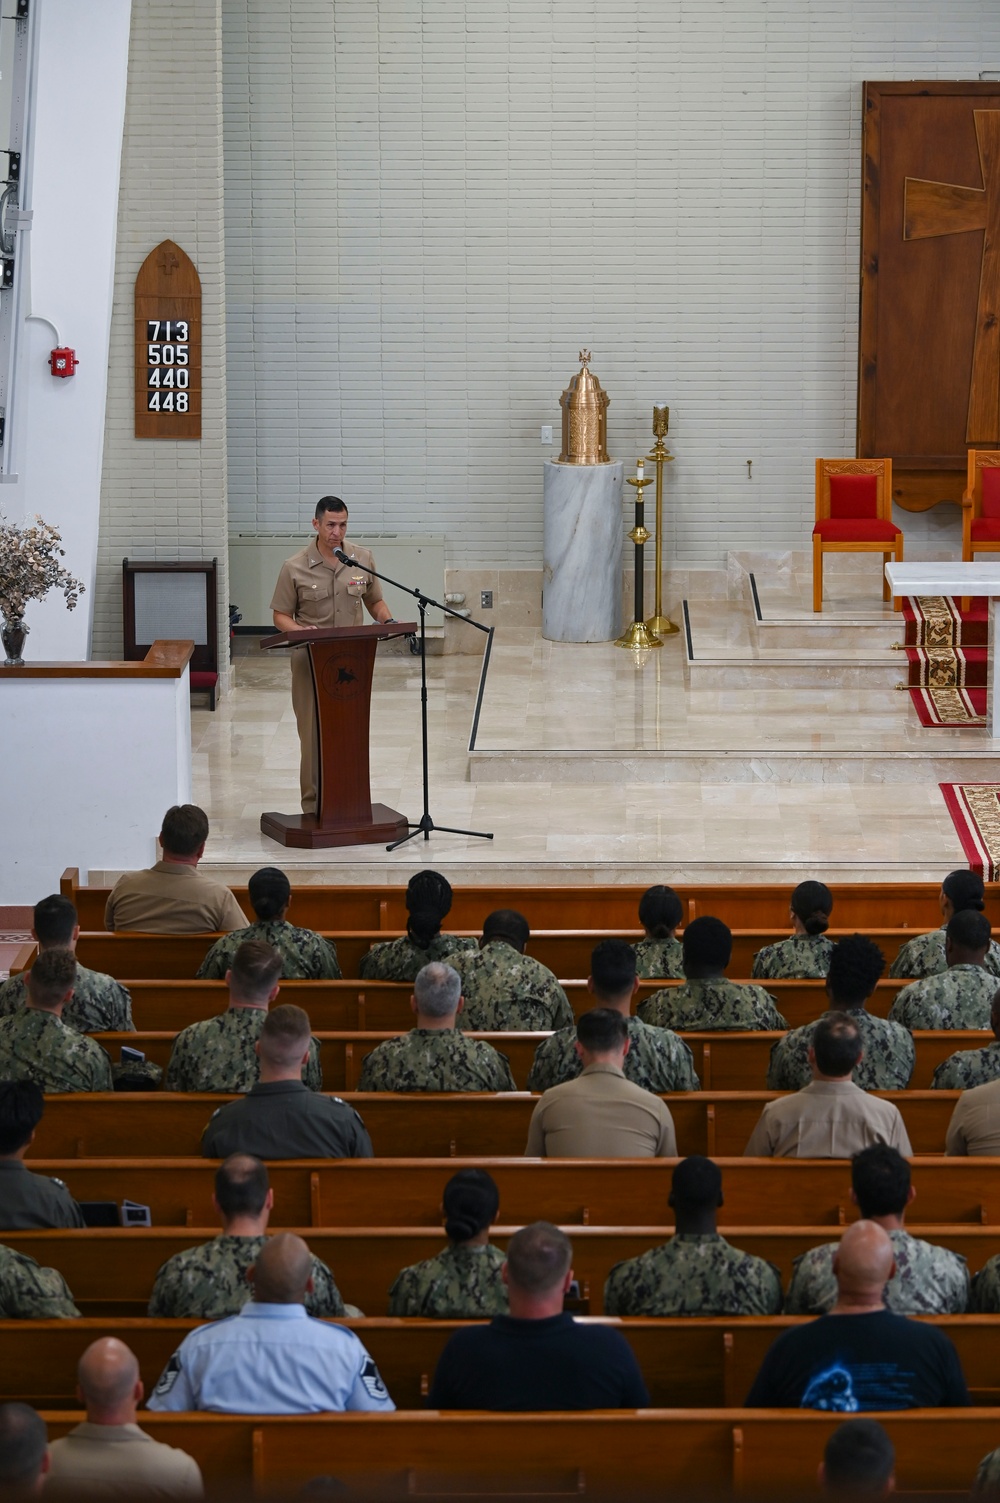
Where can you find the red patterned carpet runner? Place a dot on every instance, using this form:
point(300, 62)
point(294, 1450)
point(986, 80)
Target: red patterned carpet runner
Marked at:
point(975, 813)
point(946, 657)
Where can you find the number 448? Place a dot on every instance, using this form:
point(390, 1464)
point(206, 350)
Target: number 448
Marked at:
point(167, 401)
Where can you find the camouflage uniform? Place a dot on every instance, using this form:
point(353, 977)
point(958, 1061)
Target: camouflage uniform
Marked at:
point(435, 1059)
point(924, 956)
point(695, 1006)
point(210, 1282)
point(306, 956)
point(461, 1283)
point(886, 1065)
point(657, 1060)
point(985, 1298)
point(988, 1476)
point(801, 957)
point(929, 1280)
point(960, 998)
point(505, 991)
point(218, 1054)
point(693, 1275)
point(99, 1003)
point(968, 1068)
point(659, 957)
point(400, 959)
point(35, 1045)
point(30, 1292)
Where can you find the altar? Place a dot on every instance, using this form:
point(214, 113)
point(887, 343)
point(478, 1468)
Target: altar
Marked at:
point(958, 579)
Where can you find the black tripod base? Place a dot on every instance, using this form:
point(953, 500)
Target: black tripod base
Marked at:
point(426, 827)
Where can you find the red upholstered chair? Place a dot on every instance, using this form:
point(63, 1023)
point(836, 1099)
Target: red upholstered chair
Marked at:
point(981, 505)
point(854, 515)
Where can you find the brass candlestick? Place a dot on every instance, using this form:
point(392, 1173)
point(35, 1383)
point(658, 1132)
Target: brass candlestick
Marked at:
point(660, 455)
point(638, 634)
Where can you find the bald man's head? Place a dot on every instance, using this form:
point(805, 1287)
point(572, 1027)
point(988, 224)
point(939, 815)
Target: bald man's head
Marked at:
point(863, 1263)
point(108, 1375)
point(282, 1274)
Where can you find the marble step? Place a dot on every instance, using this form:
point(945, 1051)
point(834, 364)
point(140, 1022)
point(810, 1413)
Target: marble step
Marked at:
point(725, 650)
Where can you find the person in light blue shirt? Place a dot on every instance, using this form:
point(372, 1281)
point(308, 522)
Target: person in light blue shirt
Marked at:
point(272, 1358)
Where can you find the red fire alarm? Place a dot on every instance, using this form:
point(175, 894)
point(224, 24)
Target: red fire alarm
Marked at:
point(63, 362)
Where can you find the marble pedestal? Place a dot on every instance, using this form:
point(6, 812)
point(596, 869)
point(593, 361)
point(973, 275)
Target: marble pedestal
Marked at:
point(582, 579)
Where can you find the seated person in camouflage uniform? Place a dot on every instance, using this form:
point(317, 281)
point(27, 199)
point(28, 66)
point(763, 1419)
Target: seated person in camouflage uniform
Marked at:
point(28, 1201)
point(697, 1272)
point(706, 1000)
point(961, 996)
point(659, 953)
point(35, 1043)
point(464, 1281)
point(806, 955)
point(928, 1280)
point(961, 891)
point(210, 1282)
point(859, 1461)
point(280, 1118)
point(305, 955)
point(428, 902)
point(220, 1053)
point(972, 1067)
point(435, 1056)
point(30, 1292)
point(889, 1053)
point(657, 1059)
point(99, 1003)
point(504, 989)
point(24, 1452)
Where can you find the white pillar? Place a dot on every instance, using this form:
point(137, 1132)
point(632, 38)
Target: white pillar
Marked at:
point(582, 579)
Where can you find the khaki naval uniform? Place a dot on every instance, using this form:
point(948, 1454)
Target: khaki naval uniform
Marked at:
point(600, 1115)
point(829, 1119)
point(119, 1461)
point(172, 898)
point(317, 593)
point(975, 1123)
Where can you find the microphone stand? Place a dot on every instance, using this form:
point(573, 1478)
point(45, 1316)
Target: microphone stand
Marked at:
point(425, 825)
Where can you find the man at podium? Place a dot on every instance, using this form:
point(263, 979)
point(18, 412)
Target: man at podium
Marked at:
point(315, 589)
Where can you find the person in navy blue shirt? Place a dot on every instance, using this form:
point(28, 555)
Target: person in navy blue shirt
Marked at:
point(861, 1355)
point(538, 1357)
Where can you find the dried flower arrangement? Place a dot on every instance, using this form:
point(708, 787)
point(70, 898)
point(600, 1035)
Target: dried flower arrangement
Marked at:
point(29, 567)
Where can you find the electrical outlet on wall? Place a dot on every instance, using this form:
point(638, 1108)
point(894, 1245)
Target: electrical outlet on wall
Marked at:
point(486, 600)
point(546, 433)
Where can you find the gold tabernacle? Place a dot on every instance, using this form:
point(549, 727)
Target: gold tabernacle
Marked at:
point(660, 455)
point(584, 406)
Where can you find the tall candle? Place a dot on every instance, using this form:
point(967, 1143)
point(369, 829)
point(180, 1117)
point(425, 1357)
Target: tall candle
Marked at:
point(639, 473)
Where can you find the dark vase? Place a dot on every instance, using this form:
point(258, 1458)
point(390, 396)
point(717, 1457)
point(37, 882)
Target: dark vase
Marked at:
point(12, 634)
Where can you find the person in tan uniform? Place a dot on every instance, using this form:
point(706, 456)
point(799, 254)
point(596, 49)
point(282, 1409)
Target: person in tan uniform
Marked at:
point(600, 1114)
point(831, 1118)
point(174, 897)
point(974, 1129)
point(315, 589)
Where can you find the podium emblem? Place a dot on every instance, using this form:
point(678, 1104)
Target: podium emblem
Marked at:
point(340, 678)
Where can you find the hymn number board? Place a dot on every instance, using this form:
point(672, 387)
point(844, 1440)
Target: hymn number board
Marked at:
point(167, 345)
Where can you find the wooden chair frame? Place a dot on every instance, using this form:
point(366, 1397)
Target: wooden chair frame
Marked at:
point(882, 470)
point(972, 502)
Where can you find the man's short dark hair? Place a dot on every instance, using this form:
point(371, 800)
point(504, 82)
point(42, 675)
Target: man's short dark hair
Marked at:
point(508, 924)
point(54, 920)
point(969, 931)
point(855, 966)
point(22, 1104)
point(23, 1439)
point(880, 1177)
point(660, 911)
point(241, 1185)
point(612, 968)
point(538, 1257)
point(708, 947)
point(859, 1459)
point(270, 892)
point(285, 1034)
point(184, 830)
point(602, 1030)
point(255, 968)
point(328, 503)
point(696, 1184)
point(837, 1044)
point(52, 975)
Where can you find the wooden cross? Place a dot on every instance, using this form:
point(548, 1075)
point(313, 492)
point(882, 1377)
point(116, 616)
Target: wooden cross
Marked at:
point(168, 263)
point(949, 209)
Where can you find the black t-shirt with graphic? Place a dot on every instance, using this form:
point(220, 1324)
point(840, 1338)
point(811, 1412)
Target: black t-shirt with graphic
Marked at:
point(846, 1363)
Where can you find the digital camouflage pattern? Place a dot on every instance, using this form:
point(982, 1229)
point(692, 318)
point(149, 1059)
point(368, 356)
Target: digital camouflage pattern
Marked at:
point(35, 1045)
point(210, 1282)
point(99, 1003)
point(506, 991)
point(461, 1283)
point(30, 1292)
point(435, 1059)
point(400, 959)
point(801, 957)
point(659, 957)
point(886, 1065)
point(218, 1054)
point(988, 1476)
point(929, 1280)
point(657, 1060)
point(960, 998)
point(985, 1297)
point(693, 1275)
point(924, 956)
point(696, 1006)
point(968, 1068)
point(305, 955)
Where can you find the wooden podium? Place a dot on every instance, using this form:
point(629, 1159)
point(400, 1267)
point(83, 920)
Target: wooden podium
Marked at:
point(342, 659)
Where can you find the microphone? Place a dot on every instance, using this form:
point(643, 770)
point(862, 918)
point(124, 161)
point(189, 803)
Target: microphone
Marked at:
point(345, 558)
